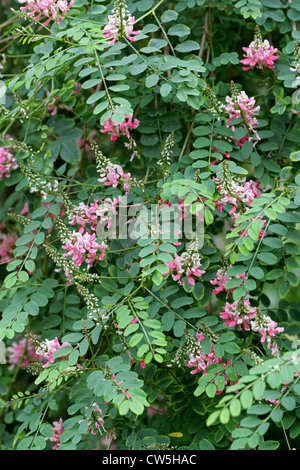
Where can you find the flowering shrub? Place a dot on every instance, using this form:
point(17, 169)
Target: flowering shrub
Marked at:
point(149, 239)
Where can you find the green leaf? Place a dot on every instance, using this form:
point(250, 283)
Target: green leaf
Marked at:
point(232, 348)
point(169, 15)
point(267, 258)
point(246, 399)
point(165, 89)
point(235, 407)
point(288, 403)
point(135, 339)
point(253, 441)
point(255, 228)
point(257, 272)
point(259, 389)
point(212, 418)
point(239, 443)
point(187, 46)
point(151, 80)
point(295, 430)
point(274, 379)
point(136, 407)
point(205, 444)
point(224, 416)
point(268, 445)
point(211, 390)
point(124, 407)
point(179, 30)
point(259, 409)
point(295, 156)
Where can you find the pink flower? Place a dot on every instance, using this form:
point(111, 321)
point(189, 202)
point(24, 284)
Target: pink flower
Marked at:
point(23, 349)
point(120, 23)
point(238, 313)
point(198, 360)
point(115, 130)
point(259, 53)
point(112, 175)
point(97, 422)
point(188, 264)
point(7, 245)
point(235, 193)
point(52, 9)
point(48, 348)
point(221, 279)
point(25, 209)
point(57, 432)
point(83, 247)
point(98, 212)
point(240, 106)
point(268, 329)
point(7, 162)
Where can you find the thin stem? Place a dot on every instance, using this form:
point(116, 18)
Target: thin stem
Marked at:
point(149, 12)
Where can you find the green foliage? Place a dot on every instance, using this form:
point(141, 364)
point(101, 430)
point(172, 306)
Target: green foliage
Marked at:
point(126, 326)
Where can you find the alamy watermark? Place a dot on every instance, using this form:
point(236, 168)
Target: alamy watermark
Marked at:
point(171, 223)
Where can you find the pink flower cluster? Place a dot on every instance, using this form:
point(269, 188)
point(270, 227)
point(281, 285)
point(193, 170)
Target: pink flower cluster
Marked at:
point(119, 25)
point(268, 329)
point(58, 429)
point(97, 212)
point(82, 246)
point(7, 245)
point(241, 106)
point(7, 162)
point(48, 348)
point(239, 194)
point(221, 279)
point(115, 129)
point(22, 353)
point(241, 313)
point(112, 175)
point(198, 360)
point(259, 53)
point(53, 9)
point(235, 193)
point(238, 313)
point(187, 264)
point(97, 422)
